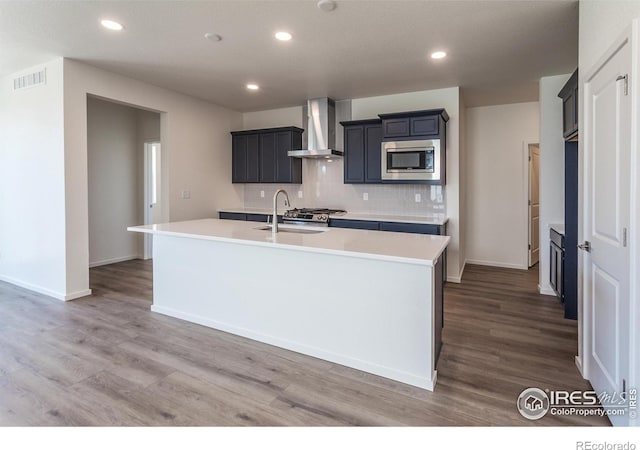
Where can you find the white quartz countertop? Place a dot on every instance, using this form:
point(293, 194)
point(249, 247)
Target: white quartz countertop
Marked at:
point(382, 245)
point(434, 219)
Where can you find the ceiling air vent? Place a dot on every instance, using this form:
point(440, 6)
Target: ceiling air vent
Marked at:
point(30, 80)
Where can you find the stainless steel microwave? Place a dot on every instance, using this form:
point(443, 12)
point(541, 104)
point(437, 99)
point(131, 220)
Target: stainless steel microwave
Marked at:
point(411, 160)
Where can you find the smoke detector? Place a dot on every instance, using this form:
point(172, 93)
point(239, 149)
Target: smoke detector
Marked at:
point(327, 5)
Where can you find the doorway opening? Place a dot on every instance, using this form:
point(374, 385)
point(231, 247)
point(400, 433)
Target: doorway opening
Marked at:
point(117, 138)
point(534, 205)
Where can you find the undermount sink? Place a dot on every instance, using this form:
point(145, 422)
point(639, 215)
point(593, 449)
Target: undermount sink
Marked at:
point(291, 229)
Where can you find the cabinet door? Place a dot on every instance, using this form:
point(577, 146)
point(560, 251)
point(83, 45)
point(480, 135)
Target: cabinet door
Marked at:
point(288, 169)
point(418, 228)
point(568, 105)
point(239, 159)
point(396, 127)
point(373, 143)
point(575, 108)
point(553, 271)
point(354, 156)
point(354, 224)
point(424, 126)
point(267, 157)
point(253, 159)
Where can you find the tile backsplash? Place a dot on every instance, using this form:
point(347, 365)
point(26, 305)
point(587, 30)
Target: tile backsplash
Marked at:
point(323, 186)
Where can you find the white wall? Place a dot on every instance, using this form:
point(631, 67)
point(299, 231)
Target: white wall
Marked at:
point(601, 23)
point(148, 130)
point(496, 182)
point(323, 184)
point(115, 191)
point(551, 169)
point(32, 198)
point(196, 147)
point(282, 117)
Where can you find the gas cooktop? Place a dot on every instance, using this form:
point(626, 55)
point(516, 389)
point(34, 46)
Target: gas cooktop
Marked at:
point(310, 216)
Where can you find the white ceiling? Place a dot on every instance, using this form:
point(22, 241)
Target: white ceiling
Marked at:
point(497, 49)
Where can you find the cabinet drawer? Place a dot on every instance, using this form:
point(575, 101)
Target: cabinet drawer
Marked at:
point(232, 216)
point(396, 127)
point(355, 224)
point(417, 228)
point(422, 126)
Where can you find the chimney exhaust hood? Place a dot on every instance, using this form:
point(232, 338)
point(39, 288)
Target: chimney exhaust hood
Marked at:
point(321, 130)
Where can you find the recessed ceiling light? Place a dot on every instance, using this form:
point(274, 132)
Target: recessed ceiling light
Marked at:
point(438, 55)
point(213, 37)
point(112, 25)
point(283, 36)
point(253, 87)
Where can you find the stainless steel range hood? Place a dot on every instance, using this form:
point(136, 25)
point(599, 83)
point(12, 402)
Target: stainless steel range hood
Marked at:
point(321, 130)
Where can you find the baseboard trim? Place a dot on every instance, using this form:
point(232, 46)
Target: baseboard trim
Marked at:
point(458, 279)
point(546, 291)
point(105, 262)
point(578, 361)
point(33, 287)
point(77, 294)
point(481, 262)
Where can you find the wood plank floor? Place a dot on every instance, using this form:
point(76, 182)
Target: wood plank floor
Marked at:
point(108, 360)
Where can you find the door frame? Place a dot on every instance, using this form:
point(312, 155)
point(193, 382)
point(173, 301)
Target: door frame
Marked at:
point(632, 35)
point(528, 162)
point(525, 201)
point(148, 238)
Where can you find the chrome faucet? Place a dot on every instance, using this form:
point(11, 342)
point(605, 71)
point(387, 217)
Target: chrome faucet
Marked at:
point(275, 208)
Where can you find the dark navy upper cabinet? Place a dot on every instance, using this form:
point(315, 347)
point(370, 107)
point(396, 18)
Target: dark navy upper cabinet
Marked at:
point(260, 156)
point(372, 145)
point(288, 169)
point(239, 159)
point(410, 124)
point(268, 158)
point(253, 158)
point(362, 144)
point(424, 126)
point(396, 127)
point(569, 96)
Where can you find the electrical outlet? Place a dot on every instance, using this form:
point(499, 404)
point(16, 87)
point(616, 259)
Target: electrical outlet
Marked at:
point(261, 194)
point(300, 194)
point(418, 198)
point(365, 196)
point(186, 195)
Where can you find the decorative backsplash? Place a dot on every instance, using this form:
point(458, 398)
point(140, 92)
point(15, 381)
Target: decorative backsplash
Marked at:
point(323, 186)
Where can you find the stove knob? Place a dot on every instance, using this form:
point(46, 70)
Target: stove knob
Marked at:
point(295, 214)
point(323, 217)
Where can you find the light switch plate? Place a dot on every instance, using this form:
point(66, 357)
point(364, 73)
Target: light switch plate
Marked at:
point(300, 194)
point(186, 195)
point(261, 194)
point(365, 196)
point(418, 198)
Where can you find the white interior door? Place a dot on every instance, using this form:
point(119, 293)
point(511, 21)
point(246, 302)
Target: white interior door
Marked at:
point(152, 186)
point(606, 221)
point(534, 204)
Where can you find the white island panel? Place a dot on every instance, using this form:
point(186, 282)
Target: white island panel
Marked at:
point(374, 316)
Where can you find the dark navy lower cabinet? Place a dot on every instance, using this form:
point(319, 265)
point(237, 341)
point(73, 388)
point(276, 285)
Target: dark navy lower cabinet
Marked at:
point(232, 216)
point(355, 224)
point(247, 217)
point(418, 228)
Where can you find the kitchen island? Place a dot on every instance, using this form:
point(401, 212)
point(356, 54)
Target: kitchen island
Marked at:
point(369, 300)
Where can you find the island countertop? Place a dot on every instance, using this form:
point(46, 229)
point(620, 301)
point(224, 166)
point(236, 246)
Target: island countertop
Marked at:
point(432, 219)
point(381, 245)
